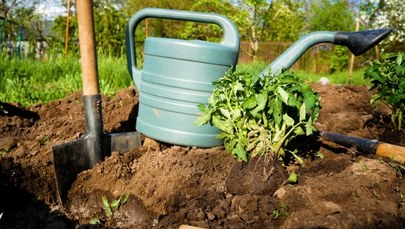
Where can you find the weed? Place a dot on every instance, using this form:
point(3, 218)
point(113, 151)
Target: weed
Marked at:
point(282, 211)
point(43, 140)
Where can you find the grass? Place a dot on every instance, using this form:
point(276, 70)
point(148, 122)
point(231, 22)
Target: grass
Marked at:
point(334, 78)
point(29, 82)
point(337, 77)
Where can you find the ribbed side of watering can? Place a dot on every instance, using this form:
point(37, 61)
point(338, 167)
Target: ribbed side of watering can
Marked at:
point(177, 75)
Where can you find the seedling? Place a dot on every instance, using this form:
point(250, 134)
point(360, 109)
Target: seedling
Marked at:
point(282, 211)
point(260, 115)
point(110, 207)
point(319, 155)
point(292, 179)
point(43, 140)
point(95, 221)
point(4, 151)
point(388, 77)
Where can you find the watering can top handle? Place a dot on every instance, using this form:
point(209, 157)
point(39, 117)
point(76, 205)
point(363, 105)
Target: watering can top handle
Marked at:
point(230, 37)
point(231, 34)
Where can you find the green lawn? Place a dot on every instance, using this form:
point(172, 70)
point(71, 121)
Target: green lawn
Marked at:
point(31, 81)
point(28, 82)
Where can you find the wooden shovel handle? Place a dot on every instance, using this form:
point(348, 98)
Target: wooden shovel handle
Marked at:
point(393, 152)
point(87, 47)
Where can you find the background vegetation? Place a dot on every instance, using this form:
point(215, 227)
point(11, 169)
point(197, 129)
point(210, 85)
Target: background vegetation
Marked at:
point(23, 77)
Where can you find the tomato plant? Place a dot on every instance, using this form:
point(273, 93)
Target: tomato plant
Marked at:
point(388, 78)
point(260, 115)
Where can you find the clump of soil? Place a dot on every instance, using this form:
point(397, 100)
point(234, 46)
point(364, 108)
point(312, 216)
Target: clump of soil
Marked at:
point(260, 176)
point(169, 185)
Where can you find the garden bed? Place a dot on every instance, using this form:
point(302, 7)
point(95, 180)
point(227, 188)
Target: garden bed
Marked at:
point(171, 185)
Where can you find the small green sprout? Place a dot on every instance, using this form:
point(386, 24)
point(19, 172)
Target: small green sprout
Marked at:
point(95, 221)
point(282, 211)
point(319, 155)
point(292, 178)
point(110, 207)
point(43, 140)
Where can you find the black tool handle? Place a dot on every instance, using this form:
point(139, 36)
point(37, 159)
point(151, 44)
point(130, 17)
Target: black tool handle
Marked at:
point(364, 145)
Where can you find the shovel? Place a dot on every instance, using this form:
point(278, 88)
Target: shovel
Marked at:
point(381, 149)
point(69, 159)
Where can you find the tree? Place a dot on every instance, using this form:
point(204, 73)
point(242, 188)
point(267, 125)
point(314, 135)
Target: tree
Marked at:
point(331, 15)
point(157, 27)
point(60, 32)
point(110, 28)
point(209, 31)
point(386, 14)
point(286, 20)
point(18, 17)
point(110, 22)
point(256, 14)
point(277, 20)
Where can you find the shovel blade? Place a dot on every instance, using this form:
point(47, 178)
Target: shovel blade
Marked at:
point(122, 141)
point(70, 159)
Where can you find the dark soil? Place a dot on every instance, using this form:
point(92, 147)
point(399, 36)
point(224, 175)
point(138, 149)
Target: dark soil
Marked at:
point(170, 186)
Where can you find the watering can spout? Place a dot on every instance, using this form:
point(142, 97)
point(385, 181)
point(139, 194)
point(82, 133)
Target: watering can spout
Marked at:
point(357, 42)
point(360, 42)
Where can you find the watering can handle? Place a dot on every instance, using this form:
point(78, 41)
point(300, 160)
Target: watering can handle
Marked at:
point(230, 38)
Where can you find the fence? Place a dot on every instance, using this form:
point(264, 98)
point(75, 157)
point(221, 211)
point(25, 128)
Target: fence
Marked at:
point(24, 48)
point(314, 59)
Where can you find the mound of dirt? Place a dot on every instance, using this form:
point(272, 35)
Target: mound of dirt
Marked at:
point(168, 186)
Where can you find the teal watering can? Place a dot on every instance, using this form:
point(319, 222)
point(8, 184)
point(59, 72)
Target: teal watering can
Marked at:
point(177, 75)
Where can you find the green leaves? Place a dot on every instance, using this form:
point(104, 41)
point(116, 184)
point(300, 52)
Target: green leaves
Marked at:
point(260, 115)
point(388, 77)
point(114, 205)
point(107, 206)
